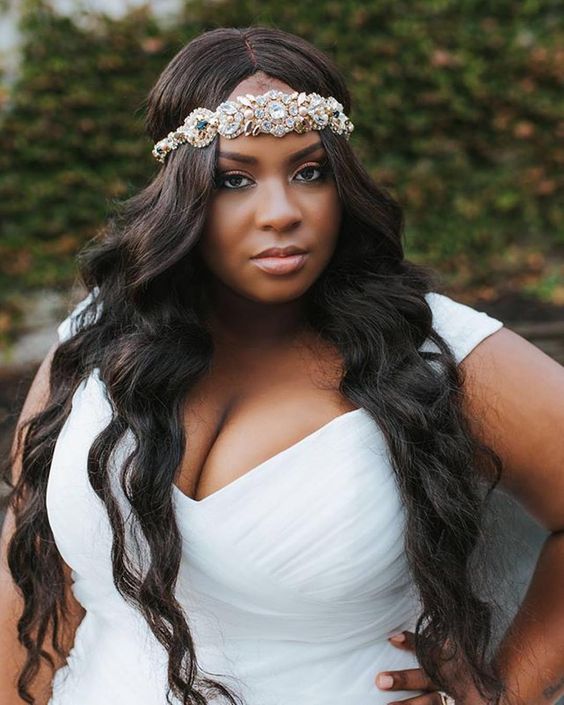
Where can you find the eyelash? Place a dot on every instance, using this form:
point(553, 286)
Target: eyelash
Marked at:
point(322, 167)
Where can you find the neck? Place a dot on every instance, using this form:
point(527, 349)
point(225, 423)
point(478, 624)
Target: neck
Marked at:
point(237, 320)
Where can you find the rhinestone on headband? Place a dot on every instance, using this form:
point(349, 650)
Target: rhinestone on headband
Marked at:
point(274, 113)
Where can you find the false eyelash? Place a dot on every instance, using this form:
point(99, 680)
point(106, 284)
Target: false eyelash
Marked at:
point(323, 167)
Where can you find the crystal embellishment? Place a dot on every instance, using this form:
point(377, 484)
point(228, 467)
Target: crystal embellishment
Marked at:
point(274, 112)
point(277, 110)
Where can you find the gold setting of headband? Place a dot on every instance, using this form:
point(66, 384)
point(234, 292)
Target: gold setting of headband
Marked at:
point(274, 113)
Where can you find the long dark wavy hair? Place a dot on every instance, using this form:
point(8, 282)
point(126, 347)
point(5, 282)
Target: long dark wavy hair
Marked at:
point(151, 345)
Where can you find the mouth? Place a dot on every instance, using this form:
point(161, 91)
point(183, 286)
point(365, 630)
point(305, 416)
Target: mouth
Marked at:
point(280, 252)
point(287, 264)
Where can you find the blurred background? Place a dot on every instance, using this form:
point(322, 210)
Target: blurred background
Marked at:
point(458, 112)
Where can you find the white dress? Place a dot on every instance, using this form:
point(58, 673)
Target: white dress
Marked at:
point(290, 595)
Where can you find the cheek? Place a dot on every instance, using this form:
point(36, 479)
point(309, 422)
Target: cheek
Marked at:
point(222, 250)
point(216, 253)
point(327, 217)
point(218, 243)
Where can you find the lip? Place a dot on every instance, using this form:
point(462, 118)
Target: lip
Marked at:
point(281, 251)
point(281, 265)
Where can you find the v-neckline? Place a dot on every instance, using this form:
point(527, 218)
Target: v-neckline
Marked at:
point(255, 471)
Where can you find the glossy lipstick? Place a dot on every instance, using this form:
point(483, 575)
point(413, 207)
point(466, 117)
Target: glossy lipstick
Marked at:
point(281, 265)
point(281, 260)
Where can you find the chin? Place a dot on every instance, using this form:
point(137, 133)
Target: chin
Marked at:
point(279, 292)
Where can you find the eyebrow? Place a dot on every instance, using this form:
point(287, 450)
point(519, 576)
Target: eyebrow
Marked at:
point(246, 159)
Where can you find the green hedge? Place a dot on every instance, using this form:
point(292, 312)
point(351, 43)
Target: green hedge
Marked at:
point(456, 107)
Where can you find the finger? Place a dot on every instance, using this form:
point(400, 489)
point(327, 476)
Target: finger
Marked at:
point(406, 640)
point(426, 699)
point(403, 640)
point(406, 679)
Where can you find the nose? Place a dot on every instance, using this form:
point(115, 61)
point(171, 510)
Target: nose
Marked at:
point(276, 207)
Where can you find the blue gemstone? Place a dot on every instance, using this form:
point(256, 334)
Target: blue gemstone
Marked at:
point(335, 113)
point(201, 124)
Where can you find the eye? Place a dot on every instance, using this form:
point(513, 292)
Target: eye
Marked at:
point(314, 167)
point(224, 179)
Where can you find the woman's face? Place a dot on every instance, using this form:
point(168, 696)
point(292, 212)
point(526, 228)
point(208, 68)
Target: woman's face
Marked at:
point(270, 192)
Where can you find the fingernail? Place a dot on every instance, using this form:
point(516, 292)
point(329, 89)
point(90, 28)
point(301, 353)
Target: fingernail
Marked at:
point(385, 681)
point(398, 637)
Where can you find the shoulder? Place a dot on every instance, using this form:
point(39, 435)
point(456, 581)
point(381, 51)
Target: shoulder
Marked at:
point(461, 326)
point(513, 398)
point(68, 327)
point(513, 394)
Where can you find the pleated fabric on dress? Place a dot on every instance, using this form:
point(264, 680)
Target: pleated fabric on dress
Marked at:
point(292, 576)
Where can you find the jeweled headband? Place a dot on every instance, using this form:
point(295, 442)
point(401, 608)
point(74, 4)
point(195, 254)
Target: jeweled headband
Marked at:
point(274, 113)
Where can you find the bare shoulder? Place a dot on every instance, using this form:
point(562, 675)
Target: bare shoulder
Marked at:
point(38, 392)
point(12, 653)
point(514, 397)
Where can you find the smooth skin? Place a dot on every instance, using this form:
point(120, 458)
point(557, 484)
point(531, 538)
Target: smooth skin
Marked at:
point(256, 318)
point(12, 654)
point(255, 314)
point(279, 200)
point(515, 400)
point(269, 192)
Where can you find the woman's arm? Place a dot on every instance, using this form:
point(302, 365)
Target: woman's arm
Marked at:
point(515, 397)
point(515, 403)
point(12, 653)
point(531, 653)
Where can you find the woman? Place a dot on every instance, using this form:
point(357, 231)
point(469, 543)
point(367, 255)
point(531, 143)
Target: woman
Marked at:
point(242, 473)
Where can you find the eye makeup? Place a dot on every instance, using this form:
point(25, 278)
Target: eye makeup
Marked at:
point(322, 167)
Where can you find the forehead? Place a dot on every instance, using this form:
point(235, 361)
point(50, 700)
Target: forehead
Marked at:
point(264, 148)
point(259, 83)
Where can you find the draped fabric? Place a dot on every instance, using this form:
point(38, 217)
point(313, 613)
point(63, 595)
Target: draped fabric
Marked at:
point(292, 576)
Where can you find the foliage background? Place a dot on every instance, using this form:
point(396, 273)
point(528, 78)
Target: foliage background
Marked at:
point(457, 106)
